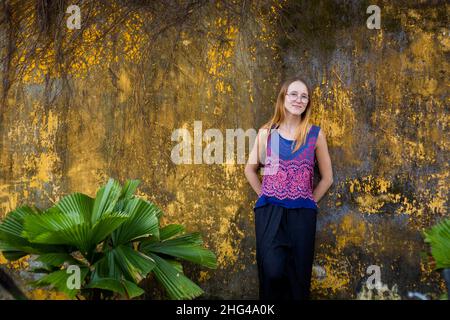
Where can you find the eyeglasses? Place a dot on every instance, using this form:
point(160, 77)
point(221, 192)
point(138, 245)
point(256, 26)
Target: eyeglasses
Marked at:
point(294, 96)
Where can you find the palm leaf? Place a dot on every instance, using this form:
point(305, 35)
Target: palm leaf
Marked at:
point(176, 264)
point(142, 222)
point(106, 267)
point(177, 285)
point(13, 244)
point(59, 280)
point(111, 284)
point(77, 202)
point(127, 194)
point(439, 239)
point(170, 231)
point(186, 247)
point(47, 224)
point(56, 259)
point(132, 289)
point(56, 227)
point(123, 287)
point(13, 223)
point(135, 265)
point(106, 199)
point(12, 227)
point(106, 225)
point(129, 188)
point(123, 261)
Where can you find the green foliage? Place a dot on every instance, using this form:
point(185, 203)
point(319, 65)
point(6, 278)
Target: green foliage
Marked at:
point(114, 240)
point(439, 239)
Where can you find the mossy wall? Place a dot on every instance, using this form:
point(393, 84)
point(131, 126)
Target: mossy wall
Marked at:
point(78, 107)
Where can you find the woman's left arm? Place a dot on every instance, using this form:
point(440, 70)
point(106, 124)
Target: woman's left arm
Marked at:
point(326, 172)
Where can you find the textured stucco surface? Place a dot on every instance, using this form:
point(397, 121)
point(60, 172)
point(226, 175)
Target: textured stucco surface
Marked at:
point(79, 110)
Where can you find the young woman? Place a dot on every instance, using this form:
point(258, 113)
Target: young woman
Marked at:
point(285, 212)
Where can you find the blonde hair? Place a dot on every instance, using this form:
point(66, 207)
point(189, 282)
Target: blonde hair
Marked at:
point(280, 113)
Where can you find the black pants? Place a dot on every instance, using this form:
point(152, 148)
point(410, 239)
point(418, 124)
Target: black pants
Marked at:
point(284, 251)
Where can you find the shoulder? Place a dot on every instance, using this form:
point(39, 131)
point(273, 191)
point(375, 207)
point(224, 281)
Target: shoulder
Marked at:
point(320, 136)
point(263, 130)
point(320, 133)
point(263, 134)
point(316, 130)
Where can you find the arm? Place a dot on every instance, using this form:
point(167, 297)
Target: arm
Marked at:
point(253, 164)
point(326, 172)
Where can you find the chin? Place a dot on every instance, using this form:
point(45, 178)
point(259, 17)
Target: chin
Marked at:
point(295, 112)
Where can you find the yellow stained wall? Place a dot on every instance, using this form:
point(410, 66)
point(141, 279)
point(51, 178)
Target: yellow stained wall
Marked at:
point(111, 107)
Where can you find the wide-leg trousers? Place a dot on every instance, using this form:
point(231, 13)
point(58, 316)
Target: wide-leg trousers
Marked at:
point(284, 251)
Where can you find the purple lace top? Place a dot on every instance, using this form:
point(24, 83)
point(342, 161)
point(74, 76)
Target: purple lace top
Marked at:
point(288, 179)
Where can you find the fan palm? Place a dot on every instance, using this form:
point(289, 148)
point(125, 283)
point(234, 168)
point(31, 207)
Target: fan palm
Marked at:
point(107, 244)
point(439, 239)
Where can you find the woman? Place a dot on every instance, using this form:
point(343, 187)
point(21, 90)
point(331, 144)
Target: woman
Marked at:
point(286, 210)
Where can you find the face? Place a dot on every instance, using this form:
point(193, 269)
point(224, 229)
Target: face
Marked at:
point(297, 98)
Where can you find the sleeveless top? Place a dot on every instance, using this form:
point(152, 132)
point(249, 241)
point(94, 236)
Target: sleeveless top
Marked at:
point(288, 178)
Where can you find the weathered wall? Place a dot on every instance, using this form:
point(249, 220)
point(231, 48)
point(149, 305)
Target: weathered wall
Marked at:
point(80, 107)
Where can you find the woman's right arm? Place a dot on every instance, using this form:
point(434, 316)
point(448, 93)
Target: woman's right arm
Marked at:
point(254, 162)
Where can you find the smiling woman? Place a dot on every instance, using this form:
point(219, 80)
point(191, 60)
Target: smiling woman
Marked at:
point(286, 210)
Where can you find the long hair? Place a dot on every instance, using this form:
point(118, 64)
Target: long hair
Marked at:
point(280, 113)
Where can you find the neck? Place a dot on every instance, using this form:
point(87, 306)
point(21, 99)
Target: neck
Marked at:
point(291, 122)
